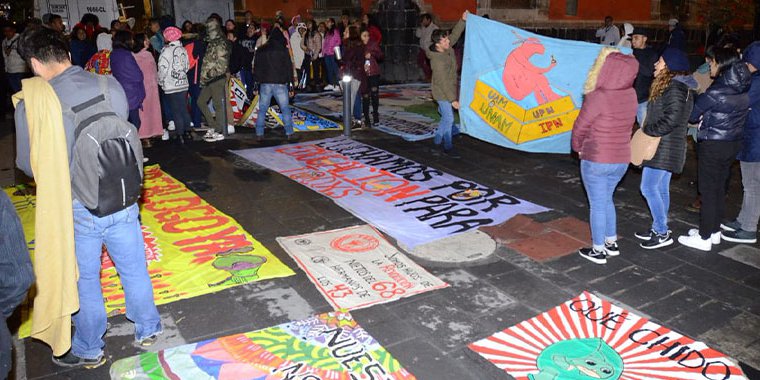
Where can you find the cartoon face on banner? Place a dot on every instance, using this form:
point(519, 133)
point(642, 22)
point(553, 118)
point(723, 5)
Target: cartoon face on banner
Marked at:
point(590, 338)
point(521, 90)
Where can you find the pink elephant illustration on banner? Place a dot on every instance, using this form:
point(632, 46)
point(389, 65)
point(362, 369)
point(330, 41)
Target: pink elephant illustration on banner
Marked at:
point(522, 78)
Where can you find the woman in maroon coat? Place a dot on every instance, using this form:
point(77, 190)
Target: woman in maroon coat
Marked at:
point(353, 64)
point(602, 138)
point(372, 54)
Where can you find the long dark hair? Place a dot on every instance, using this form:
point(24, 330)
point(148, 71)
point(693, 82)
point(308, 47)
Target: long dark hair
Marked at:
point(662, 81)
point(123, 40)
point(139, 42)
point(354, 37)
point(314, 28)
point(331, 29)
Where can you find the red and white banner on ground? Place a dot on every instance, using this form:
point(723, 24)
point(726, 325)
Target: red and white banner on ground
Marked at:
point(356, 267)
point(590, 338)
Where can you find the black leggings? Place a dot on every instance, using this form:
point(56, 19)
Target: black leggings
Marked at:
point(372, 95)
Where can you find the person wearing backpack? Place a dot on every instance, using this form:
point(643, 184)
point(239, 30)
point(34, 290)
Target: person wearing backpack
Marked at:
point(172, 77)
point(105, 163)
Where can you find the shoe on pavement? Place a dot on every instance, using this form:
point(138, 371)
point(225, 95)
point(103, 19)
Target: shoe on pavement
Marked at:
point(696, 242)
point(230, 129)
point(145, 159)
point(69, 360)
point(593, 255)
point(645, 235)
point(452, 153)
point(657, 241)
point(714, 238)
point(611, 249)
point(165, 136)
point(212, 136)
point(731, 226)
point(148, 341)
point(740, 236)
point(329, 87)
point(171, 126)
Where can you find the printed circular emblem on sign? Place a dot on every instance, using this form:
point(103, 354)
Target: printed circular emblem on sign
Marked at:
point(355, 243)
point(303, 242)
point(466, 195)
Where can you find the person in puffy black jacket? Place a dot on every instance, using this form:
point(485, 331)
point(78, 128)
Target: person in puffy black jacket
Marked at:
point(744, 228)
point(670, 104)
point(272, 76)
point(723, 111)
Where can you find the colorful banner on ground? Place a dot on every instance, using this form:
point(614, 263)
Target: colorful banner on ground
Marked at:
point(356, 267)
point(245, 113)
point(590, 338)
point(521, 90)
point(192, 248)
point(330, 346)
point(413, 203)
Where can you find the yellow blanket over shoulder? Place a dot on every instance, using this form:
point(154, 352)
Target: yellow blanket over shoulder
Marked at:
point(55, 264)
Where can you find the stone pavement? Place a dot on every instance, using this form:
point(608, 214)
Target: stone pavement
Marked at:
point(713, 297)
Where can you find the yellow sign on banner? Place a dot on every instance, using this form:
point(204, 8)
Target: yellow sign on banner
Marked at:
point(191, 247)
point(518, 124)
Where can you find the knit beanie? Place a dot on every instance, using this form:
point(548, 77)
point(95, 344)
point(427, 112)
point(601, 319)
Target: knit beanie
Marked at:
point(172, 34)
point(676, 59)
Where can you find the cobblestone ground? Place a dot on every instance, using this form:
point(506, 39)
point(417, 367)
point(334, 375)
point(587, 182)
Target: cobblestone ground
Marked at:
point(713, 297)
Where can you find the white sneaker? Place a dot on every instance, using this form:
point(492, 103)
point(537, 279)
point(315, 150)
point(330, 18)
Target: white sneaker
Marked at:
point(714, 238)
point(145, 159)
point(171, 126)
point(165, 136)
point(218, 136)
point(210, 136)
point(192, 125)
point(696, 242)
point(230, 129)
point(329, 87)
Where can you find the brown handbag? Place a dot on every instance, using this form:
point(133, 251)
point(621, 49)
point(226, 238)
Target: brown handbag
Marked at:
point(643, 147)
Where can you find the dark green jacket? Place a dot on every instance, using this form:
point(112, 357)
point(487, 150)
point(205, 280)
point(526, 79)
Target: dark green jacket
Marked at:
point(444, 65)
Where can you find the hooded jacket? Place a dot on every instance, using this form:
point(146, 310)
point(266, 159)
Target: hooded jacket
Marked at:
point(216, 61)
point(724, 106)
point(125, 69)
point(668, 117)
point(272, 63)
point(602, 131)
point(751, 150)
point(172, 68)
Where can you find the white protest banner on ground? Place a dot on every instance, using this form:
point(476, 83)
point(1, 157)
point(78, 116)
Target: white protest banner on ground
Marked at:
point(356, 267)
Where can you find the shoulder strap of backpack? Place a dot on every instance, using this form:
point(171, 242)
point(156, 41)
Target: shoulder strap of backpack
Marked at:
point(84, 117)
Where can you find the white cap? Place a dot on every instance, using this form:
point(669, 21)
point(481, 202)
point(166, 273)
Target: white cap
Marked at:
point(627, 29)
point(673, 22)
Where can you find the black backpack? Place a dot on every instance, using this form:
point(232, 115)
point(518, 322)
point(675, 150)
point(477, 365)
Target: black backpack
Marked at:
point(107, 162)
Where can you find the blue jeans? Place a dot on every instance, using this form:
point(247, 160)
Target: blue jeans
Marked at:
point(600, 181)
point(331, 65)
point(444, 131)
point(121, 234)
point(177, 102)
point(641, 112)
point(655, 187)
point(357, 111)
point(195, 113)
point(280, 93)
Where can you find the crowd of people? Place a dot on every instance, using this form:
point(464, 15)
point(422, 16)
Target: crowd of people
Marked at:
point(658, 91)
point(165, 80)
point(186, 67)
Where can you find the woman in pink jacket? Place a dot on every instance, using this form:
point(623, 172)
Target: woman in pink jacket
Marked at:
point(602, 138)
point(332, 40)
point(150, 114)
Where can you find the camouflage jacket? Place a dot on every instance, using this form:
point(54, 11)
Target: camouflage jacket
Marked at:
point(216, 61)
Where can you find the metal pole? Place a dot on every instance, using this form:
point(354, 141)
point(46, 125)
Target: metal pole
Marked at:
point(347, 109)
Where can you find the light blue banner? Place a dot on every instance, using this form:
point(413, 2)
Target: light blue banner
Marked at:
point(521, 90)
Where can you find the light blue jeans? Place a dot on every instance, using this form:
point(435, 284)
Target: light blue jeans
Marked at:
point(444, 131)
point(121, 234)
point(641, 112)
point(280, 94)
point(655, 187)
point(600, 181)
